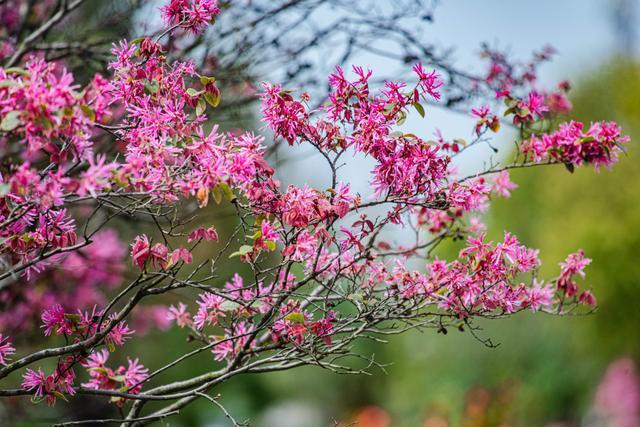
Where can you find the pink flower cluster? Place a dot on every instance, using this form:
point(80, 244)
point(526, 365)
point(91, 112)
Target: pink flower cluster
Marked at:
point(407, 166)
point(192, 15)
point(296, 326)
point(158, 255)
point(167, 152)
point(599, 146)
point(6, 349)
point(304, 206)
point(78, 327)
point(43, 111)
point(482, 281)
point(77, 280)
point(124, 378)
point(486, 120)
point(42, 106)
point(82, 325)
point(52, 386)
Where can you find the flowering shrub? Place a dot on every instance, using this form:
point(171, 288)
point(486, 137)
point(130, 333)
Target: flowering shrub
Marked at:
point(314, 270)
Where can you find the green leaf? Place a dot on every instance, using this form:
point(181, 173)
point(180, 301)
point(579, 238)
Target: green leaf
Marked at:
point(213, 100)
point(226, 190)
point(523, 112)
point(11, 121)
point(244, 250)
point(205, 80)
point(44, 122)
point(201, 107)
point(89, 112)
point(73, 317)
point(295, 317)
point(151, 86)
point(229, 305)
point(356, 296)
point(4, 189)
point(402, 119)
point(193, 92)
point(419, 108)
point(271, 245)
point(510, 102)
point(8, 83)
point(217, 194)
point(59, 395)
point(257, 305)
point(17, 70)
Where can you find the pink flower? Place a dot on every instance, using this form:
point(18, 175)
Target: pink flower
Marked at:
point(235, 339)
point(298, 205)
point(342, 200)
point(485, 120)
point(429, 82)
point(570, 145)
point(303, 248)
point(159, 255)
point(140, 251)
point(118, 334)
point(181, 254)
point(102, 377)
point(285, 116)
point(180, 315)
point(502, 185)
point(147, 317)
point(134, 374)
point(540, 296)
point(51, 386)
point(35, 381)
point(97, 177)
point(617, 398)
point(193, 15)
point(55, 320)
point(6, 349)
point(203, 233)
point(268, 231)
point(267, 237)
point(587, 298)
point(558, 103)
point(574, 264)
point(209, 310)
